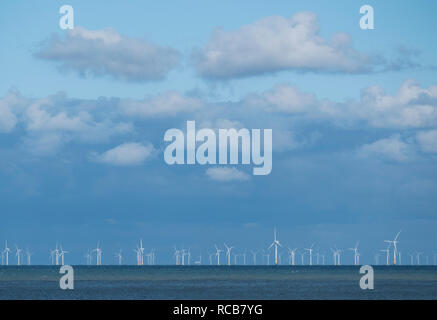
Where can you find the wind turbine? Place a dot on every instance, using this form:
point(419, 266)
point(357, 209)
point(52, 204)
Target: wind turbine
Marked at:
point(177, 255)
point(394, 242)
point(387, 251)
point(62, 255)
point(292, 255)
point(334, 256)
point(254, 257)
point(29, 254)
point(310, 252)
point(355, 250)
point(418, 257)
point(87, 256)
point(6, 251)
point(339, 256)
point(119, 257)
point(18, 254)
point(140, 253)
point(276, 244)
point(228, 253)
point(98, 252)
point(377, 258)
point(217, 253)
point(183, 256)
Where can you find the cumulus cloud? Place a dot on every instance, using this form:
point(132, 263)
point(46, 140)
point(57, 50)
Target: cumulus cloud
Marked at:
point(392, 148)
point(8, 119)
point(276, 43)
point(226, 174)
point(410, 107)
point(105, 52)
point(167, 104)
point(283, 98)
point(126, 154)
point(427, 141)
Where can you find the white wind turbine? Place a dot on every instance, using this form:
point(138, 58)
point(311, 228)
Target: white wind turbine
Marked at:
point(228, 253)
point(61, 254)
point(355, 250)
point(98, 252)
point(18, 254)
point(395, 249)
point(310, 252)
point(377, 258)
point(339, 257)
point(119, 257)
point(87, 257)
point(6, 251)
point(217, 253)
point(254, 257)
point(387, 251)
point(183, 256)
point(411, 258)
point(276, 244)
point(210, 255)
point(418, 257)
point(292, 255)
point(140, 253)
point(55, 252)
point(28, 254)
point(334, 256)
point(176, 255)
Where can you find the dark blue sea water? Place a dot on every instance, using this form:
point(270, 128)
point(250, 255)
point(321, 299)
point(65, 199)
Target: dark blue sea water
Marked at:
point(218, 282)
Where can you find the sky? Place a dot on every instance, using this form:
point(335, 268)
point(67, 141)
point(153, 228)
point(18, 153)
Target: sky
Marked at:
point(83, 114)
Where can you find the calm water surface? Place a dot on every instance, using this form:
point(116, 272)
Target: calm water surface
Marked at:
point(211, 282)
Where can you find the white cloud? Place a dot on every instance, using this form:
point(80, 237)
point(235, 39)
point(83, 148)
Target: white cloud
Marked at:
point(105, 52)
point(275, 43)
point(8, 119)
point(226, 174)
point(410, 107)
point(126, 154)
point(168, 104)
point(283, 98)
point(392, 148)
point(427, 141)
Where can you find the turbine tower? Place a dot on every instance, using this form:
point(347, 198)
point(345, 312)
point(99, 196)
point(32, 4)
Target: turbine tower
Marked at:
point(28, 254)
point(355, 250)
point(217, 253)
point(98, 252)
point(6, 251)
point(276, 244)
point(292, 255)
point(228, 253)
point(395, 249)
point(310, 252)
point(119, 257)
point(61, 254)
point(418, 257)
point(387, 251)
point(254, 257)
point(18, 254)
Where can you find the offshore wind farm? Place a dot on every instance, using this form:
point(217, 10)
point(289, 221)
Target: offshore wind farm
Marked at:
point(227, 255)
point(221, 271)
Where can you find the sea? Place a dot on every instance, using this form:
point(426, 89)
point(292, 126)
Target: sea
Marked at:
point(218, 282)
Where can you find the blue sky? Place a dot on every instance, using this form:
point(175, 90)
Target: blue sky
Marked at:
point(353, 113)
